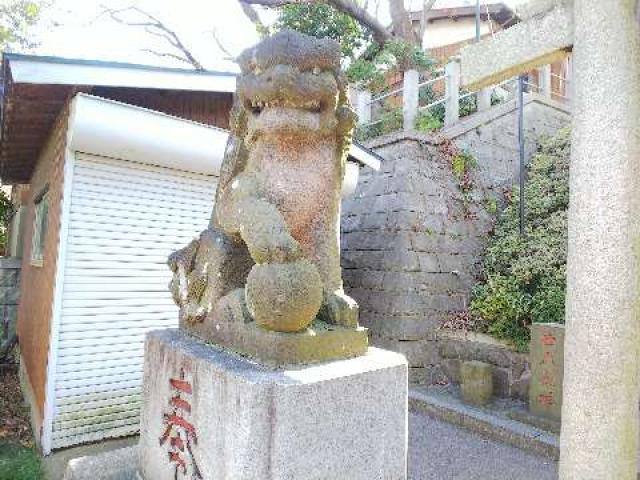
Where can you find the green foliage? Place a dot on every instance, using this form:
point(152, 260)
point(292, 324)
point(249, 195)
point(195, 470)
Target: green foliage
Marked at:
point(323, 21)
point(426, 95)
point(390, 121)
point(426, 122)
point(16, 19)
point(400, 55)
point(19, 463)
point(524, 277)
point(6, 213)
point(366, 74)
point(396, 56)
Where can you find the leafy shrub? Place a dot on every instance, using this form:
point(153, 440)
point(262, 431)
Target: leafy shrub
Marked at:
point(390, 121)
point(426, 122)
point(324, 21)
point(524, 277)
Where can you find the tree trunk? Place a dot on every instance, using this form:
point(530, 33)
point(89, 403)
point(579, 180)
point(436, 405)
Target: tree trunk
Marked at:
point(401, 22)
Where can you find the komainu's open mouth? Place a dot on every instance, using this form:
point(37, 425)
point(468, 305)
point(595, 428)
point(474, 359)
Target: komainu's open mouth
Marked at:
point(257, 106)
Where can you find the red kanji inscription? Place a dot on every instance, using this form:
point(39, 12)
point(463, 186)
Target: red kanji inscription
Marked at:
point(179, 433)
point(546, 399)
point(548, 339)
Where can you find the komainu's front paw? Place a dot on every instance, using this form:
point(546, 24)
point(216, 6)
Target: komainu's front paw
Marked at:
point(339, 308)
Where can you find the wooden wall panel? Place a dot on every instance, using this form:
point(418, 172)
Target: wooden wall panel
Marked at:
point(37, 282)
point(210, 108)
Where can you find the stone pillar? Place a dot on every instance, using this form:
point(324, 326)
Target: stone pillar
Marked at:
point(484, 99)
point(546, 357)
point(452, 92)
point(410, 99)
point(569, 78)
point(363, 106)
point(600, 418)
point(544, 80)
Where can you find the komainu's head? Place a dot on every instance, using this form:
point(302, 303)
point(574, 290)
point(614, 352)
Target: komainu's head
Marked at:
point(291, 85)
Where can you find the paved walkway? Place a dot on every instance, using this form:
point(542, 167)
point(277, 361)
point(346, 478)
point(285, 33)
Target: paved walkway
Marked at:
point(440, 451)
point(437, 451)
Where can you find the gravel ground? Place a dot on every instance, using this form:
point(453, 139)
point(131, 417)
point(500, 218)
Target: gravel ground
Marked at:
point(440, 451)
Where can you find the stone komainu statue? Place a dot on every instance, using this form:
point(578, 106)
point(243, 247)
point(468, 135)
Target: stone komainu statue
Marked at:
point(271, 252)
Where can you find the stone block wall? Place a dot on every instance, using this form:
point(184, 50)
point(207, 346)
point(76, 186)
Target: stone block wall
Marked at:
point(411, 250)
point(492, 136)
point(509, 369)
point(9, 297)
point(412, 245)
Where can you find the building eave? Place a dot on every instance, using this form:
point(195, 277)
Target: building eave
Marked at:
point(33, 69)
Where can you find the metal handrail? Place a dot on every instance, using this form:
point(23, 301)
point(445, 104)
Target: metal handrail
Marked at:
point(380, 97)
point(433, 104)
point(433, 80)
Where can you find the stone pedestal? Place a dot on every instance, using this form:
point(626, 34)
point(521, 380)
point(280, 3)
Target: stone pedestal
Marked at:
point(211, 414)
point(476, 382)
point(547, 366)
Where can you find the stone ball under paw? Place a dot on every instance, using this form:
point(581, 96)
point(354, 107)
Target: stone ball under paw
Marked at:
point(284, 297)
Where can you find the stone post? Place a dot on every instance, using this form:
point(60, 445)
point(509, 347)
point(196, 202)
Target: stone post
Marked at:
point(599, 438)
point(544, 80)
point(569, 78)
point(452, 93)
point(363, 106)
point(484, 99)
point(410, 99)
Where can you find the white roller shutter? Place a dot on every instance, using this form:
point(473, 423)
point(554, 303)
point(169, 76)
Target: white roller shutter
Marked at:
point(125, 218)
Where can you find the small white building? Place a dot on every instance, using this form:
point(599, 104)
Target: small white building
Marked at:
point(109, 180)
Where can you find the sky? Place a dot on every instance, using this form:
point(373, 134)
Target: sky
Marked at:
point(76, 29)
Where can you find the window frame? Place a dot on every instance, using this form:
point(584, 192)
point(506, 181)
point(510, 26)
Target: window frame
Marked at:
point(40, 226)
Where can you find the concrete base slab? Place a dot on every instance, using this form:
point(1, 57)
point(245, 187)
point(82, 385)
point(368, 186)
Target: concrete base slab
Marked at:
point(212, 414)
point(492, 423)
point(120, 464)
point(320, 342)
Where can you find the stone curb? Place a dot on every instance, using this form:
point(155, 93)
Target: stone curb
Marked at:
point(482, 421)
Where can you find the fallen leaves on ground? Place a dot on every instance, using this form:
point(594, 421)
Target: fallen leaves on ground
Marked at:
point(14, 421)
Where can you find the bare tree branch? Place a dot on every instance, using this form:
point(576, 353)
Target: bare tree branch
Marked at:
point(156, 27)
point(427, 5)
point(157, 53)
point(252, 15)
point(351, 8)
point(220, 45)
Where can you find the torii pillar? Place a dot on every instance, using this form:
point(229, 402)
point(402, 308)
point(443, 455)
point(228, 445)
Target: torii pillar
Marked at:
point(600, 420)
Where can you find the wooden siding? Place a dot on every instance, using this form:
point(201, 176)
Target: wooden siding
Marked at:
point(124, 220)
point(204, 107)
point(37, 282)
point(30, 111)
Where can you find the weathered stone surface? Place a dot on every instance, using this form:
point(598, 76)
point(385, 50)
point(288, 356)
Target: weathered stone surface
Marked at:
point(120, 464)
point(319, 342)
point(273, 228)
point(509, 369)
point(476, 382)
point(9, 295)
point(410, 254)
point(543, 39)
point(547, 366)
point(345, 419)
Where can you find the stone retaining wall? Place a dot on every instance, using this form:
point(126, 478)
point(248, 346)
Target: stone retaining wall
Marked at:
point(412, 244)
point(9, 297)
point(510, 369)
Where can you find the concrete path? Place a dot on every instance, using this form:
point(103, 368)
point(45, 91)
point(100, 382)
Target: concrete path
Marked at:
point(437, 451)
point(441, 451)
